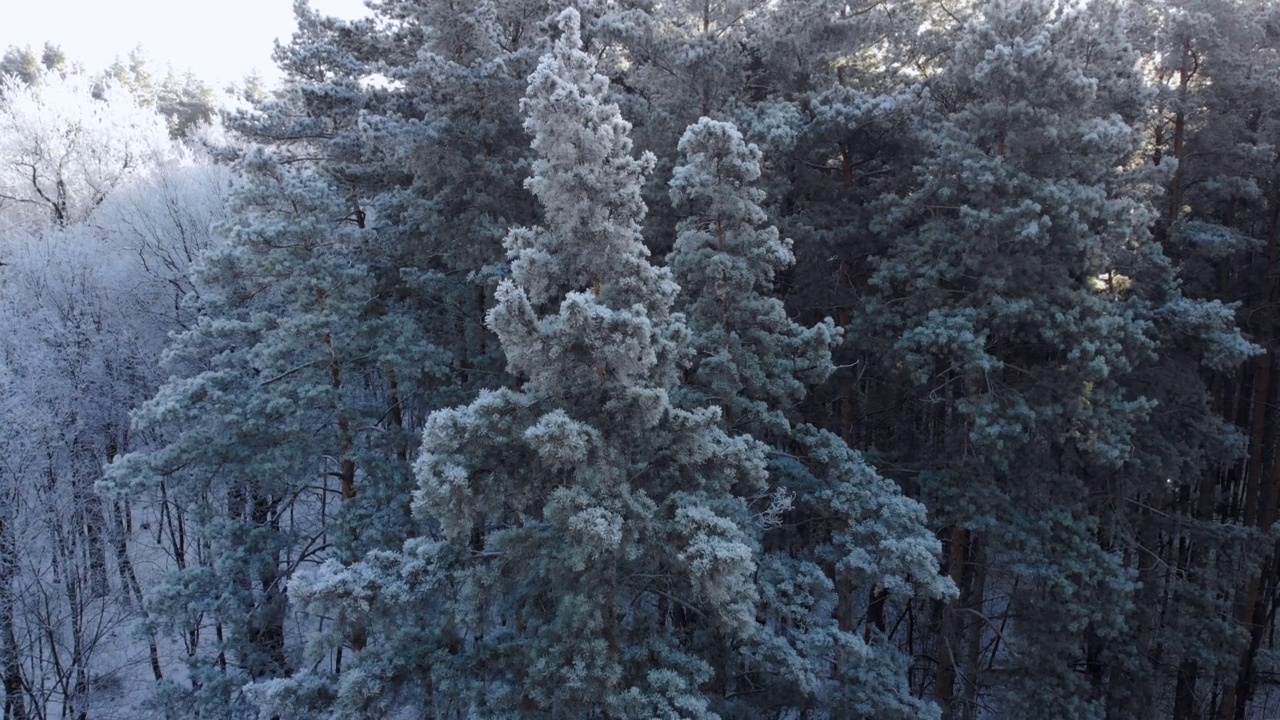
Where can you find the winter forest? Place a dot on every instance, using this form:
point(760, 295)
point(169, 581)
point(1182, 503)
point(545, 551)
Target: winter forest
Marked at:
point(650, 359)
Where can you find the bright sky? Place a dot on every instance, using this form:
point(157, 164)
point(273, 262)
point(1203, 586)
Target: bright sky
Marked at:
point(220, 40)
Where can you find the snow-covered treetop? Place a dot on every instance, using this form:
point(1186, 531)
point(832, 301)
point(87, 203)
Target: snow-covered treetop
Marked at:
point(588, 257)
point(594, 199)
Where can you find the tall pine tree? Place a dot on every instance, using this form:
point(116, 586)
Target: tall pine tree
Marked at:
point(851, 539)
point(589, 547)
point(1025, 300)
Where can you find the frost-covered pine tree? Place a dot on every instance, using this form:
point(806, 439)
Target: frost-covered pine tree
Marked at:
point(751, 359)
point(1023, 297)
point(423, 102)
point(277, 432)
point(1214, 125)
point(244, 426)
point(343, 310)
point(589, 548)
point(850, 538)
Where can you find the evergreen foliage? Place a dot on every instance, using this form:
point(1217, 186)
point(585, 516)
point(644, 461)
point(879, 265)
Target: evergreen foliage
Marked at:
point(751, 358)
point(1022, 294)
point(860, 537)
point(953, 393)
point(581, 522)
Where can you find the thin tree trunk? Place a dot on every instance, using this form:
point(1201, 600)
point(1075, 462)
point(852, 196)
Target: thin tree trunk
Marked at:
point(977, 577)
point(950, 632)
point(15, 707)
point(267, 629)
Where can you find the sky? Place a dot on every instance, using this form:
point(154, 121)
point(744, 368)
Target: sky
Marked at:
point(219, 40)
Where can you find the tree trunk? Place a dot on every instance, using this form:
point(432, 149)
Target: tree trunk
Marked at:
point(951, 629)
point(266, 627)
point(977, 578)
point(15, 706)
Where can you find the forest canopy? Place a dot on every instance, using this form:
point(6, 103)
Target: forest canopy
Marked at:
point(613, 359)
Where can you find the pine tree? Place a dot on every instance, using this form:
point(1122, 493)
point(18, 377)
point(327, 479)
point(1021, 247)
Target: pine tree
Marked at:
point(426, 155)
point(274, 430)
point(751, 358)
point(850, 538)
point(342, 311)
point(1024, 298)
point(1213, 127)
point(589, 544)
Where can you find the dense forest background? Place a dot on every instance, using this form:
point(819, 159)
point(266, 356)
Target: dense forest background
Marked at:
point(784, 359)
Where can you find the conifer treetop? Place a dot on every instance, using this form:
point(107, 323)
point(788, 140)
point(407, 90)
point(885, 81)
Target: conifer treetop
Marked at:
point(613, 323)
point(589, 186)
